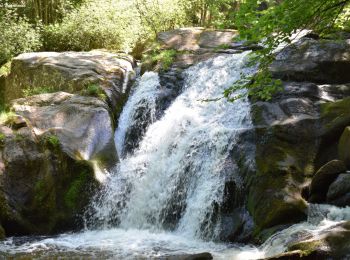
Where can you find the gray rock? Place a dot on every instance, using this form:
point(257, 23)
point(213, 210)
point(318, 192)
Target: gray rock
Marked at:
point(82, 124)
point(320, 61)
point(71, 72)
point(339, 191)
point(323, 179)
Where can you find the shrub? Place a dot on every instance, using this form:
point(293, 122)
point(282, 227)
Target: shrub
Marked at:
point(113, 24)
point(17, 36)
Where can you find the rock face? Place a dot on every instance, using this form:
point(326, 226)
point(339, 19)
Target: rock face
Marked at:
point(82, 125)
point(315, 60)
point(73, 72)
point(54, 146)
point(297, 132)
point(344, 146)
point(42, 189)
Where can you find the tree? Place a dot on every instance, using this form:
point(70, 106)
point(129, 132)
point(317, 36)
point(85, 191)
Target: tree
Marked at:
point(274, 25)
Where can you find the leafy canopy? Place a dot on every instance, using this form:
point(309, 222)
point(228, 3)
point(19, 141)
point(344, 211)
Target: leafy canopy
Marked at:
point(273, 23)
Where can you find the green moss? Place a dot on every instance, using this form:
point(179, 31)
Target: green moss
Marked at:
point(53, 141)
point(75, 190)
point(40, 191)
point(18, 137)
point(307, 247)
point(336, 115)
point(2, 138)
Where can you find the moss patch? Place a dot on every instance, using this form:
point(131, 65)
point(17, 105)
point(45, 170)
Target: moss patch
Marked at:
point(76, 189)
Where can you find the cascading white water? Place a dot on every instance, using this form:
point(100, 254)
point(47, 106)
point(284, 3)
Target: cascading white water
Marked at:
point(161, 200)
point(144, 95)
point(177, 175)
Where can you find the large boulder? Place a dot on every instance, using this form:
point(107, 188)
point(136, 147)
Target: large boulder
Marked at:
point(339, 191)
point(82, 125)
point(323, 179)
point(295, 134)
point(94, 72)
point(42, 189)
point(315, 60)
point(344, 146)
point(192, 39)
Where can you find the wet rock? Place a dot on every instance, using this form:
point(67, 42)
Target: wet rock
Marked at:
point(331, 243)
point(339, 191)
point(200, 256)
point(323, 179)
point(344, 147)
point(83, 125)
point(94, 73)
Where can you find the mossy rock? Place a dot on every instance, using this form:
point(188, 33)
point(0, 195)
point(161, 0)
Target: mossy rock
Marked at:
point(335, 117)
point(344, 147)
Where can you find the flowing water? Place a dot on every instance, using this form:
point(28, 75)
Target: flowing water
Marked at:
point(162, 199)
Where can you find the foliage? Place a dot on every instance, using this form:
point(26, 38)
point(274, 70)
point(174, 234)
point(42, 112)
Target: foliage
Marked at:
point(53, 141)
point(17, 35)
point(94, 90)
point(162, 57)
point(277, 23)
point(112, 24)
point(5, 69)
point(30, 91)
point(7, 117)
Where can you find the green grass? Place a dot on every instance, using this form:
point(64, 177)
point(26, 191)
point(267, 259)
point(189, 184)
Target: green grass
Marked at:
point(94, 90)
point(30, 91)
point(5, 69)
point(7, 117)
point(163, 57)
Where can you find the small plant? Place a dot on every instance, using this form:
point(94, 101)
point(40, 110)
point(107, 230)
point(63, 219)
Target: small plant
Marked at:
point(2, 138)
point(18, 137)
point(94, 90)
point(5, 69)
point(53, 141)
point(164, 57)
point(30, 91)
point(7, 118)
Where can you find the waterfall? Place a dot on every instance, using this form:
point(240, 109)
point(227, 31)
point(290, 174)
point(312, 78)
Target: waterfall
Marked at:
point(175, 179)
